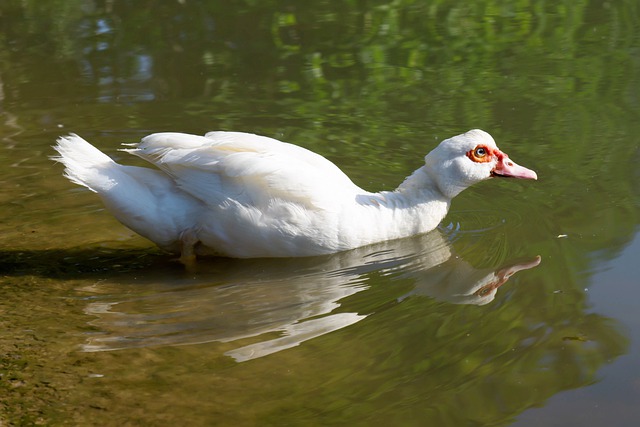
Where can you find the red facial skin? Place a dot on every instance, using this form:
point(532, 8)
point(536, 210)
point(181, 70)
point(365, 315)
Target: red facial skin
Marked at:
point(505, 167)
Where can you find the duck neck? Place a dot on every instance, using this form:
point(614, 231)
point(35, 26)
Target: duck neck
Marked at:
point(416, 206)
point(421, 186)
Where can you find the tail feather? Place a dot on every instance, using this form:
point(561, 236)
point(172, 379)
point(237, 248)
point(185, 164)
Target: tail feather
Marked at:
point(84, 164)
point(145, 200)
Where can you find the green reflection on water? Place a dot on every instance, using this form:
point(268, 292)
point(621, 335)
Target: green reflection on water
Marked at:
point(373, 86)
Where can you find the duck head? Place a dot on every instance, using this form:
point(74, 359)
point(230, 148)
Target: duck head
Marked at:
point(463, 160)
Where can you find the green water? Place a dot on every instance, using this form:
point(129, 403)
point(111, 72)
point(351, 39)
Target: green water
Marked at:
point(101, 328)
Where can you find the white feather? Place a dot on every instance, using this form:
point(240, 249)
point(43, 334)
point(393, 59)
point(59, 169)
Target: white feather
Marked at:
point(244, 195)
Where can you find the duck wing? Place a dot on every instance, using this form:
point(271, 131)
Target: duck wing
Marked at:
point(249, 169)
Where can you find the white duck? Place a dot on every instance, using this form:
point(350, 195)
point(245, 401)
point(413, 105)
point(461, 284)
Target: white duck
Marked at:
point(247, 196)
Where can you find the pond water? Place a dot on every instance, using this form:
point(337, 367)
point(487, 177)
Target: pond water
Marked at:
point(519, 310)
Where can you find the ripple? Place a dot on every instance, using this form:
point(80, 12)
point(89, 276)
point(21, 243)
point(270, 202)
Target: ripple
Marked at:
point(480, 221)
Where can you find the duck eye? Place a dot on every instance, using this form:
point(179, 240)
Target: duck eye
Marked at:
point(480, 154)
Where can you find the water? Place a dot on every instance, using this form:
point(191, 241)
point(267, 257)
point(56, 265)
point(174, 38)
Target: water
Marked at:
point(101, 328)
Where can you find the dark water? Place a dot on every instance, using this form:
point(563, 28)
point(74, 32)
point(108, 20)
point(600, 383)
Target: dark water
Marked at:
point(101, 328)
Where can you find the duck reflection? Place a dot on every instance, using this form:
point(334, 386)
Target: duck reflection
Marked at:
point(278, 303)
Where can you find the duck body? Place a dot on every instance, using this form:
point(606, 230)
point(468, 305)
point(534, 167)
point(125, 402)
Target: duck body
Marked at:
point(248, 196)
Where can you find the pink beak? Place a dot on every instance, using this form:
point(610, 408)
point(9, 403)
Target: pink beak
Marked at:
point(509, 169)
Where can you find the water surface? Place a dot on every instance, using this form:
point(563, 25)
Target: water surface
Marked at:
point(518, 310)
